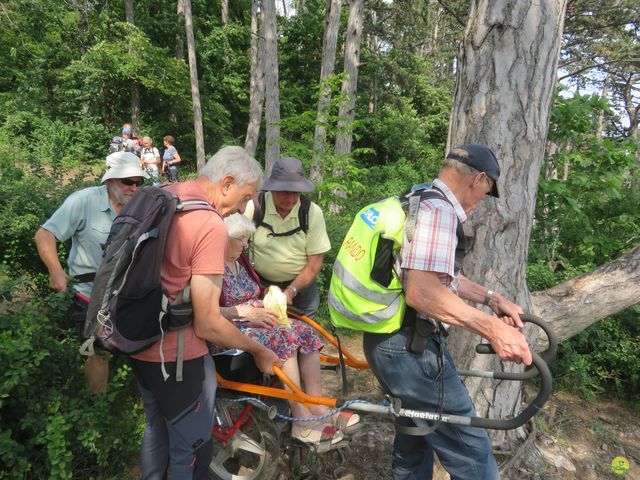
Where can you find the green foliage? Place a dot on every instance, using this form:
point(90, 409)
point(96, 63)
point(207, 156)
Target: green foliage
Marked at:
point(22, 211)
point(587, 214)
point(603, 358)
point(591, 216)
point(51, 427)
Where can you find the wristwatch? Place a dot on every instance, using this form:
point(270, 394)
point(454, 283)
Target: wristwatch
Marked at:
point(293, 289)
point(488, 296)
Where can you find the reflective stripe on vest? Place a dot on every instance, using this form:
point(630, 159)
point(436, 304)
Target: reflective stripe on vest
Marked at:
point(352, 283)
point(370, 318)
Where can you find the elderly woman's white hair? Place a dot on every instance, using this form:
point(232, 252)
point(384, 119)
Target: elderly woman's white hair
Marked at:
point(239, 226)
point(234, 162)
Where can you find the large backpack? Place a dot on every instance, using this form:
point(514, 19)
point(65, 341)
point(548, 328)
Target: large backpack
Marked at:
point(365, 292)
point(129, 310)
point(303, 216)
point(117, 144)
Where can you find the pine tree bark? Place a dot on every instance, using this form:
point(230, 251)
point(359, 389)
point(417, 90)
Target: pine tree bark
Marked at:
point(329, 46)
point(353, 40)
point(272, 89)
point(135, 88)
point(581, 301)
point(256, 89)
point(506, 79)
point(195, 89)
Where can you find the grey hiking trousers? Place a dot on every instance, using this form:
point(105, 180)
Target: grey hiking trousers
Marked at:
point(177, 438)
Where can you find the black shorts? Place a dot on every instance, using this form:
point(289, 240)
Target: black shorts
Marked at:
point(78, 315)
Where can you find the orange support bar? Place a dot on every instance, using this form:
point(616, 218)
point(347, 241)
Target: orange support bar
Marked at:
point(295, 394)
point(350, 360)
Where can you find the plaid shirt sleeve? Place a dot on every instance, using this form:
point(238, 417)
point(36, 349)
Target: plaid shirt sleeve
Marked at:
point(434, 241)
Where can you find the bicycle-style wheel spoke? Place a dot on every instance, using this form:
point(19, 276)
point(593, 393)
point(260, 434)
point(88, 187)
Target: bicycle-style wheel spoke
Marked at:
point(248, 444)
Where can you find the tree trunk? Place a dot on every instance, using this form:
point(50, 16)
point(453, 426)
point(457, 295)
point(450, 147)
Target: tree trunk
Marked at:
point(272, 92)
point(195, 89)
point(224, 7)
point(135, 88)
point(603, 94)
point(256, 89)
point(329, 45)
point(374, 49)
point(575, 304)
point(350, 84)
point(505, 85)
point(180, 29)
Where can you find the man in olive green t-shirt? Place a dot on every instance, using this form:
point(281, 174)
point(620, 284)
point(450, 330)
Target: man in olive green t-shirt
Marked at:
point(291, 261)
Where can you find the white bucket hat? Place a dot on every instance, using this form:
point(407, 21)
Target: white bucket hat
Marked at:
point(123, 165)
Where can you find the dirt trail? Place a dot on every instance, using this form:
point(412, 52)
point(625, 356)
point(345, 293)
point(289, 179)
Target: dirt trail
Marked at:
point(573, 439)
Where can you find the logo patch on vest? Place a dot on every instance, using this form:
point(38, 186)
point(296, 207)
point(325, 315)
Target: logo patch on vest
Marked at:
point(370, 217)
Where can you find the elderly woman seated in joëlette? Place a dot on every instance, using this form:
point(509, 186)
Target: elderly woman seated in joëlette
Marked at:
point(298, 346)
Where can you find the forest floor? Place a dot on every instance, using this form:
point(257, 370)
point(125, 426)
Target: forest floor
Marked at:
point(571, 438)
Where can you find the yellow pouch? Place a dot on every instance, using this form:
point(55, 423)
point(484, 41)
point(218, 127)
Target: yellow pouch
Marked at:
point(275, 301)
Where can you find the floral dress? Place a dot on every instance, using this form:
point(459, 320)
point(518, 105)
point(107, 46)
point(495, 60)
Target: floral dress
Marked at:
point(285, 342)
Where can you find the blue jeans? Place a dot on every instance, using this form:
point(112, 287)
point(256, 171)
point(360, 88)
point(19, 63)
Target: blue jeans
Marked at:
point(172, 173)
point(308, 300)
point(179, 422)
point(465, 452)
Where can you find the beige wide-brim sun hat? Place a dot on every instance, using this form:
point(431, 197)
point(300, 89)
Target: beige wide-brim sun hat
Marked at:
point(123, 165)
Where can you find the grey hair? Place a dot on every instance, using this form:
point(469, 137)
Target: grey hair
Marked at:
point(235, 162)
point(239, 226)
point(459, 166)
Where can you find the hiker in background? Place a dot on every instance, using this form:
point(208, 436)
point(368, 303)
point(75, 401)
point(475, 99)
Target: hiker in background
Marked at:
point(180, 414)
point(170, 159)
point(291, 238)
point(296, 343)
point(85, 217)
point(150, 159)
point(413, 363)
point(125, 141)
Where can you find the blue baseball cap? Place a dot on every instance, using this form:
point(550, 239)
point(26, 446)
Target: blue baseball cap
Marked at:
point(481, 158)
point(126, 131)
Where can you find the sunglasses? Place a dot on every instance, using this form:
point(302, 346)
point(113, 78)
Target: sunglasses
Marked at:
point(128, 182)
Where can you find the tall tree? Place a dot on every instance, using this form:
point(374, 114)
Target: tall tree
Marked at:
point(256, 88)
point(135, 88)
point(179, 30)
point(329, 46)
point(195, 89)
point(272, 87)
point(506, 78)
point(224, 7)
point(347, 112)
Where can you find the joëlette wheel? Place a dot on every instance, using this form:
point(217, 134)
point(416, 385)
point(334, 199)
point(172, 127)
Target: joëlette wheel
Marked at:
point(251, 452)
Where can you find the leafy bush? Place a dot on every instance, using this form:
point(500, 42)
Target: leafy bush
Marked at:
point(51, 427)
point(29, 194)
point(603, 358)
point(587, 214)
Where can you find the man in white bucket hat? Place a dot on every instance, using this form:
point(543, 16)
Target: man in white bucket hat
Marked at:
point(85, 217)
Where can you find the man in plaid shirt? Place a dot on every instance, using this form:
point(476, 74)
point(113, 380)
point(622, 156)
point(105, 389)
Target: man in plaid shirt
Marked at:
point(425, 377)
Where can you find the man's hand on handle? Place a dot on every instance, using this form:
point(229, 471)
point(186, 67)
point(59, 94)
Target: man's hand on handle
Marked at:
point(265, 360)
point(510, 345)
point(508, 311)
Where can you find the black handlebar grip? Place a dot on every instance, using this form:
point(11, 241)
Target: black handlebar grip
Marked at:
point(549, 355)
point(532, 408)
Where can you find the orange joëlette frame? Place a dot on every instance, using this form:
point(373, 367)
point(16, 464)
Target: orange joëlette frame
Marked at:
point(296, 394)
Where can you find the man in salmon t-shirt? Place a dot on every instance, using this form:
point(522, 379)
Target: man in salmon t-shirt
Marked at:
point(180, 413)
